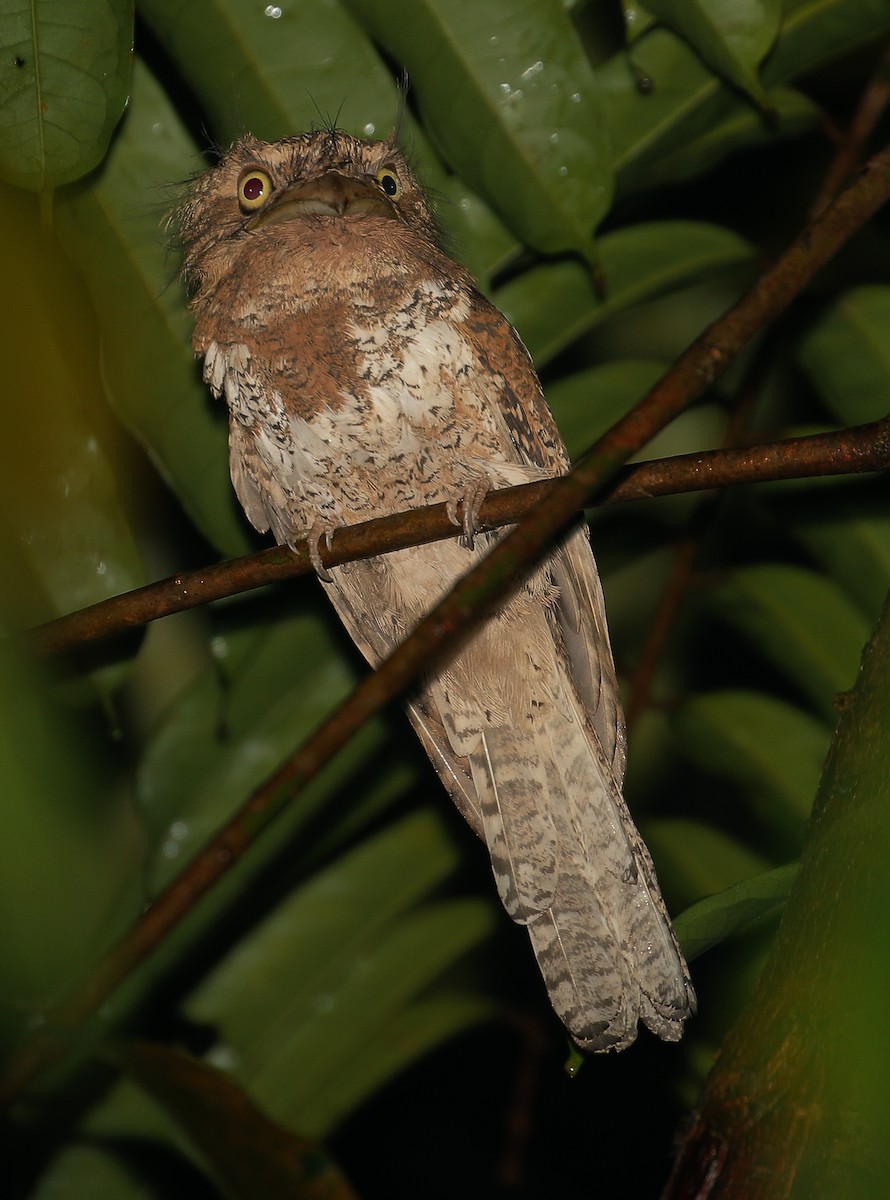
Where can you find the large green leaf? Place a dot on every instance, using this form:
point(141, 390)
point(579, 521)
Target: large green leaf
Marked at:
point(687, 118)
point(769, 750)
point(553, 305)
point(815, 31)
point(518, 77)
point(686, 102)
point(802, 622)
point(418, 1028)
point(734, 910)
point(316, 934)
point(855, 549)
point(220, 740)
point(740, 128)
point(69, 849)
point(67, 540)
point(847, 355)
point(104, 1171)
point(63, 86)
point(381, 980)
point(732, 36)
point(330, 971)
point(845, 525)
point(587, 403)
point(112, 228)
point(695, 859)
point(287, 68)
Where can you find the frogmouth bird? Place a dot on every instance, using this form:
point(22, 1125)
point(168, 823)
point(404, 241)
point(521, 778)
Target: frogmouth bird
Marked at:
point(365, 374)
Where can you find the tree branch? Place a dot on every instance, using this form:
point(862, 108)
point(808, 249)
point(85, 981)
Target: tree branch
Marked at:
point(849, 451)
point(485, 585)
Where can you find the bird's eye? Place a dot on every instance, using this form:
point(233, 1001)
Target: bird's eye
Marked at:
point(254, 189)
point(389, 182)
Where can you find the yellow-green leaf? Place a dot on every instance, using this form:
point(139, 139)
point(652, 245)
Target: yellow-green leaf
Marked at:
point(112, 228)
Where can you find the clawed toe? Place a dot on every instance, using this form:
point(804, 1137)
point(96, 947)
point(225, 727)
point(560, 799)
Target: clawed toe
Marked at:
point(319, 530)
point(470, 501)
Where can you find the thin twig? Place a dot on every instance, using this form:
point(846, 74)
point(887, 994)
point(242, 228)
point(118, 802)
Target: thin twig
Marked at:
point(667, 609)
point(862, 448)
point(871, 106)
point(707, 358)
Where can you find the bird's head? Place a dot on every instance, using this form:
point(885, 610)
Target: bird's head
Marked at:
point(324, 175)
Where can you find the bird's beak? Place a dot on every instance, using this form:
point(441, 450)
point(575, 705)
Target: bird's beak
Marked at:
point(332, 195)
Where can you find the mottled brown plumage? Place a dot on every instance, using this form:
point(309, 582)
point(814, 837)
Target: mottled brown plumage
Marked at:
point(365, 374)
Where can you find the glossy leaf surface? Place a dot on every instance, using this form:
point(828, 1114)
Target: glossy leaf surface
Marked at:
point(63, 86)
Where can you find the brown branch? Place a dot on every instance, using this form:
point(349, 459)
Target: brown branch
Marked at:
point(862, 448)
point(489, 581)
point(680, 577)
point(869, 111)
point(640, 685)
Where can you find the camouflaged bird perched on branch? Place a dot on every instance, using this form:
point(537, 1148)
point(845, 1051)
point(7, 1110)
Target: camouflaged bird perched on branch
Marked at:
point(365, 374)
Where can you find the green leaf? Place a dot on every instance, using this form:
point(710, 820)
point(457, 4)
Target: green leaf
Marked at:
point(695, 859)
point(63, 86)
point(68, 847)
point(112, 229)
point(734, 910)
point(219, 742)
point(815, 31)
point(741, 128)
point(295, 67)
point(553, 305)
point(331, 969)
point(106, 1157)
point(732, 36)
point(802, 622)
point(684, 102)
point(474, 236)
point(518, 77)
point(844, 524)
point(687, 118)
point(370, 1001)
point(183, 750)
point(102, 1172)
point(637, 20)
point(770, 750)
point(588, 403)
point(70, 543)
point(847, 355)
point(419, 1028)
point(855, 550)
point(309, 945)
point(248, 1154)
point(287, 68)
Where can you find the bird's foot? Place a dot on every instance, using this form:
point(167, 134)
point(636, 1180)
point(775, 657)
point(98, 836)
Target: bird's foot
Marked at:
point(470, 501)
point(318, 530)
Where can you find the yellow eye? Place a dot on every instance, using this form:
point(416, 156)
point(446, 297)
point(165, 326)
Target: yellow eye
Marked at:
point(254, 189)
point(389, 182)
